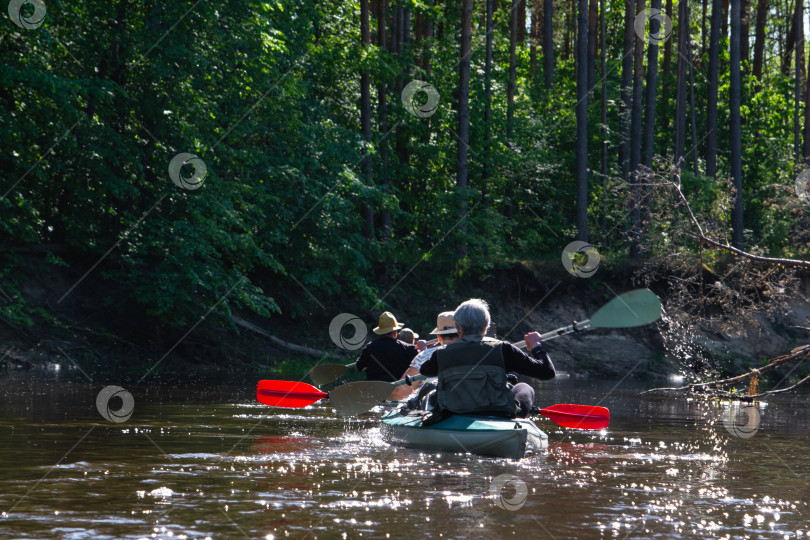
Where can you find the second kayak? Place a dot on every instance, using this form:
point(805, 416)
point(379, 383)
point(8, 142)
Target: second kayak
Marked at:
point(484, 435)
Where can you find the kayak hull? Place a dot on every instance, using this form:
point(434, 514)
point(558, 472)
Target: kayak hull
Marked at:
point(483, 435)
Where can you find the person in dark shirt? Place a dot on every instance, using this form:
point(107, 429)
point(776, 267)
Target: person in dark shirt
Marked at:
point(386, 358)
point(472, 370)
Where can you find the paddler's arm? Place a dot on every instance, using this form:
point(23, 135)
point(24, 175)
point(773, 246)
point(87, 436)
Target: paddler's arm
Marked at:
point(538, 365)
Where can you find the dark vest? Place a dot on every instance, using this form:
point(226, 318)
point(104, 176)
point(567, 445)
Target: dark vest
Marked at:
point(472, 378)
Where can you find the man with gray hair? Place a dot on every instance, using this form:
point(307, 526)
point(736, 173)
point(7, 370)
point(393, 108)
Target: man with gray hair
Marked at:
point(472, 370)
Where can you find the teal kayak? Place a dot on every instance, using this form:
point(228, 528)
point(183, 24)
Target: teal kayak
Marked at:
point(484, 435)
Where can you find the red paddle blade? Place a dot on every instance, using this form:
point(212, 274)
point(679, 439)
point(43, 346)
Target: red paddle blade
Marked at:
point(578, 416)
point(288, 394)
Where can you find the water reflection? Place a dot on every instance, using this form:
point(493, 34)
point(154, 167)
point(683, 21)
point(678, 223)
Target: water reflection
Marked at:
point(212, 463)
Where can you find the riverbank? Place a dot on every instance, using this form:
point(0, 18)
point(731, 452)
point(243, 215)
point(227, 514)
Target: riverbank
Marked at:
point(97, 332)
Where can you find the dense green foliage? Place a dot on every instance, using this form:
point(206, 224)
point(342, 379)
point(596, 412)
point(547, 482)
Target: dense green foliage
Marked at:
point(99, 99)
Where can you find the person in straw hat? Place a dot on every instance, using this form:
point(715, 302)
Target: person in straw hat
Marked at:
point(386, 358)
point(445, 333)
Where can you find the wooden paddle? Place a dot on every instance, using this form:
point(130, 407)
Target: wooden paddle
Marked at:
point(363, 396)
point(326, 373)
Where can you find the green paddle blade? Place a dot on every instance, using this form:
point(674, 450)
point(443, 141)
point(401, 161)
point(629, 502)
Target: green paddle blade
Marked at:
point(358, 397)
point(326, 373)
point(634, 308)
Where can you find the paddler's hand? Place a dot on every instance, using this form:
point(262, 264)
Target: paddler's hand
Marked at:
point(421, 345)
point(532, 340)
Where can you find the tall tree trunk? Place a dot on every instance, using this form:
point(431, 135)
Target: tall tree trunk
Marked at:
point(534, 38)
point(548, 41)
point(790, 41)
point(510, 88)
point(627, 86)
point(711, 107)
point(735, 127)
point(521, 18)
point(365, 120)
point(652, 88)
point(582, 122)
point(593, 19)
point(806, 149)
point(680, 99)
point(464, 116)
point(603, 43)
point(694, 150)
point(664, 127)
point(636, 129)
point(724, 19)
point(799, 49)
point(759, 39)
point(510, 96)
point(485, 173)
point(382, 112)
point(636, 134)
point(401, 141)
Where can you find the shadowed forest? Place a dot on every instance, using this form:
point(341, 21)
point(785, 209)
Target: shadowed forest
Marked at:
point(167, 167)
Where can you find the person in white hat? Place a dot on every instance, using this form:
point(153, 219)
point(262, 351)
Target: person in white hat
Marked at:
point(445, 333)
point(386, 358)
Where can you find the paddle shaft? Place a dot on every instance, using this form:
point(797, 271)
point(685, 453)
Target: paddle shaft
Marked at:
point(565, 330)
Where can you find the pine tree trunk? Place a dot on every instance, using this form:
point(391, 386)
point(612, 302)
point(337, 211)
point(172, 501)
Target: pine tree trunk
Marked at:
point(365, 120)
point(636, 129)
point(534, 39)
point(759, 39)
point(603, 43)
point(548, 42)
point(799, 50)
point(667, 72)
point(790, 41)
point(485, 173)
point(806, 148)
point(711, 103)
point(680, 99)
point(693, 152)
point(735, 126)
point(627, 86)
point(582, 122)
point(724, 19)
point(652, 88)
point(382, 112)
point(521, 18)
point(464, 116)
point(510, 88)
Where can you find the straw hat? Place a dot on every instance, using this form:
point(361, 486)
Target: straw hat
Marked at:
point(387, 324)
point(445, 324)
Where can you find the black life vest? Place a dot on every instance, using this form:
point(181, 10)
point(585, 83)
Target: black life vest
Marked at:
point(472, 378)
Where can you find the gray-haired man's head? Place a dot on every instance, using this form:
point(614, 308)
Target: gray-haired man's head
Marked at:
point(472, 317)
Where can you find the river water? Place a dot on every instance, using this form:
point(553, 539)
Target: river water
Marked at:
point(210, 462)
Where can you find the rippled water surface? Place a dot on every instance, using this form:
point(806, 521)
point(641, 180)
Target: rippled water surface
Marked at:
point(198, 462)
